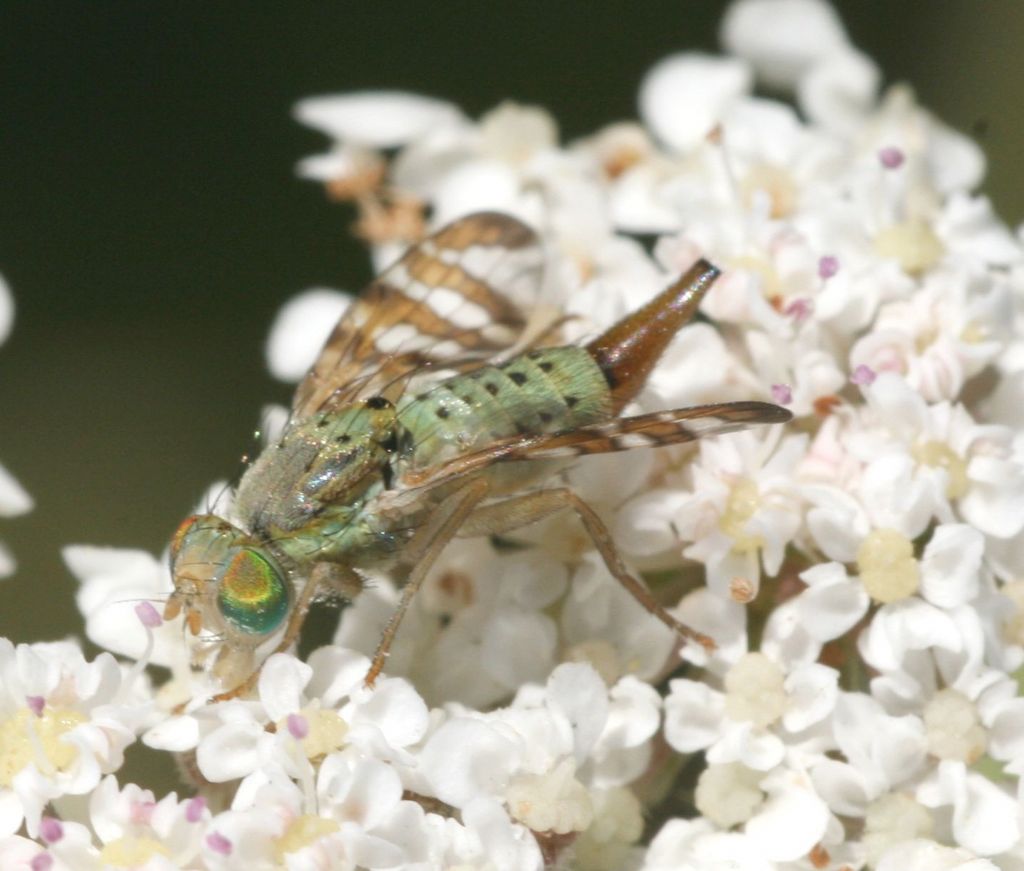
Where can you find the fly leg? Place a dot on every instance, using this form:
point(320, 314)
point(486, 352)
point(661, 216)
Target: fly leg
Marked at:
point(522, 510)
point(324, 575)
point(425, 547)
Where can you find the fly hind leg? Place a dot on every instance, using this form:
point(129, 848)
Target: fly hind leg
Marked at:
point(520, 511)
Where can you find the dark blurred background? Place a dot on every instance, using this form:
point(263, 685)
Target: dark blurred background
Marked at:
point(151, 223)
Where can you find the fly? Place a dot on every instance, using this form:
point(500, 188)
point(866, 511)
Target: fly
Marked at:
point(427, 416)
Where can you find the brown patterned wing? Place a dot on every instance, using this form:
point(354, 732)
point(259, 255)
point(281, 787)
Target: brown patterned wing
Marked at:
point(458, 295)
point(653, 430)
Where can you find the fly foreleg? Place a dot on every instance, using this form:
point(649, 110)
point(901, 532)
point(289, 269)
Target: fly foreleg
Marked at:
point(425, 547)
point(325, 577)
point(520, 511)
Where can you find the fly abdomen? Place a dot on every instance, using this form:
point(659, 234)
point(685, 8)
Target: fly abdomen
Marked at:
point(628, 351)
point(547, 390)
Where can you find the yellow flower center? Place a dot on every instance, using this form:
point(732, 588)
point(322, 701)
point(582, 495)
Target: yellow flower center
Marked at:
point(974, 333)
point(601, 654)
point(774, 181)
point(913, 244)
point(131, 852)
point(618, 823)
point(925, 339)
point(770, 284)
point(754, 690)
point(26, 738)
point(939, 455)
point(743, 502)
point(1013, 628)
point(953, 727)
point(327, 731)
point(729, 794)
point(301, 833)
point(552, 802)
point(887, 566)
point(894, 818)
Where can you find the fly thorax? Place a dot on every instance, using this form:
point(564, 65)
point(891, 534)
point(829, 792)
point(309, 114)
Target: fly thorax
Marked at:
point(321, 471)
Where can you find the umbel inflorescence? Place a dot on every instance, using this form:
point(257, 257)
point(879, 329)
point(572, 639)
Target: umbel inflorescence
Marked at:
point(858, 568)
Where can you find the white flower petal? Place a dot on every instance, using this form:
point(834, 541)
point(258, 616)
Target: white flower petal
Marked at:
point(467, 759)
point(112, 582)
point(684, 96)
point(837, 522)
point(7, 562)
point(894, 498)
point(694, 845)
point(335, 164)
point(812, 690)
point(756, 748)
point(985, 817)
point(956, 163)
point(231, 751)
point(786, 637)
point(6, 310)
point(841, 786)
point(397, 710)
point(576, 691)
point(721, 619)
point(792, 820)
point(365, 851)
point(175, 734)
point(639, 204)
point(1006, 732)
point(911, 624)
point(337, 672)
point(300, 329)
point(995, 502)
point(476, 186)
point(838, 91)
point(885, 750)
point(281, 682)
point(951, 564)
point(532, 580)
point(830, 608)
point(379, 119)
point(923, 855)
point(11, 814)
point(633, 715)
point(518, 647)
point(693, 715)
point(988, 823)
point(505, 846)
point(781, 39)
point(971, 225)
point(14, 499)
point(367, 794)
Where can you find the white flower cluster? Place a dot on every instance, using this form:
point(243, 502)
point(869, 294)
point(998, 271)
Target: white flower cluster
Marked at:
point(13, 498)
point(860, 569)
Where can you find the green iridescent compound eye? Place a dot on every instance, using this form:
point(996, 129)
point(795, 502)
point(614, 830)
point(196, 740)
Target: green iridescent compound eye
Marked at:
point(179, 535)
point(253, 597)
